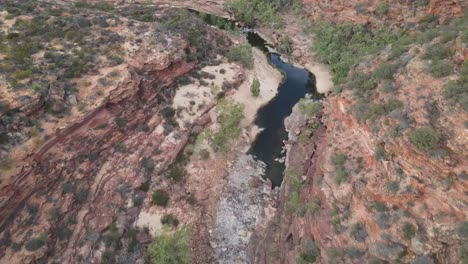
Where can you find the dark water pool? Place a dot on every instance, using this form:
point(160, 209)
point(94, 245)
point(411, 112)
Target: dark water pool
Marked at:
point(297, 82)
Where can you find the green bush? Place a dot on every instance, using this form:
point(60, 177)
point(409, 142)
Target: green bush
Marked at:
point(54, 213)
point(310, 253)
point(464, 252)
point(380, 153)
point(463, 230)
point(171, 248)
point(243, 54)
point(448, 35)
point(393, 186)
point(177, 173)
point(285, 44)
point(397, 51)
point(252, 11)
point(424, 139)
point(36, 243)
point(169, 219)
point(340, 175)
point(441, 68)
point(437, 52)
point(204, 154)
point(382, 9)
point(230, 114)
point(120, 122)
point(168, 112)
point(160, 197)
point(408, 230)
point(295, 205)
point(120, 147)
point(457, 91)
point(339, 159)
point(255, 88)
point(359, 232)
point(148, 164)
point(385, 71)
point(361, 82)
point(308, 107)
point(68, 187)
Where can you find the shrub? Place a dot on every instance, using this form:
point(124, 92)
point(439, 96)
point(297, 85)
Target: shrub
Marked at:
point(380, 153)
point(169, 219)
point(361, 82)
point(382, 9)
point(230, 114)
point(339, 159)
point(111, 236)
point(354, 252)
point(285, 44)
point(63, 233)
point(82, 194)
point(408, 230)
point(385, 71)
point(243, 54)
point(204, 154)
point(340, 175)
point(464, 252)
point(255, 88)
point(68, 187)
point(379, 206)
point(308, 107)
point(441, 68)
point(295, 204)
point(424, 139)
point(138, 200)
point(168, 112)
point(397, 51)
point(448, 35)
point(437, 52)
point(148, 164)
point(383, 220)
point(314, 207)
point(457, 92)
point(54, 213)
point(120, 147)
point(310, 253)
point(120, 121)
point(170, 248)
point(160, 197)
point(177, 173)
point(393, 186)
point(36, 243)
point(463, 230)
point(358, 232)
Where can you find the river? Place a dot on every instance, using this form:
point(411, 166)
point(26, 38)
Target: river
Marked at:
point(297, 82)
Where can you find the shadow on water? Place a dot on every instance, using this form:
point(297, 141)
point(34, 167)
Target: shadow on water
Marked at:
point(297, 82)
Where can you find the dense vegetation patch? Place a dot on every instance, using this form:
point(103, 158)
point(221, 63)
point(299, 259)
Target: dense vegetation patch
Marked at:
point(230, 114)
point(253, 12)
point(160, 197)
point(424, 138)
point(343, 45)
point(170, 248)
point(243, 54)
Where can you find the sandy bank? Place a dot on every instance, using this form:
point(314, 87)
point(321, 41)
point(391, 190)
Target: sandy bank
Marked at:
point(269, 78)
point(323, 77)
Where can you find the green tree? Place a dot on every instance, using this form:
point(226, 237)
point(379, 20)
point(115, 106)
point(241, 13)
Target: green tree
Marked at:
point(255, 88)
point(243, 54)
